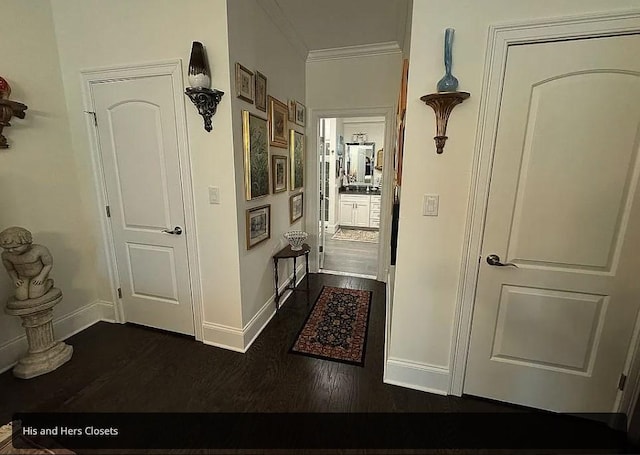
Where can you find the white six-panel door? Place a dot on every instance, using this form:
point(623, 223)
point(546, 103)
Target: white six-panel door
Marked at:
point(138, 142)
point(564, 206)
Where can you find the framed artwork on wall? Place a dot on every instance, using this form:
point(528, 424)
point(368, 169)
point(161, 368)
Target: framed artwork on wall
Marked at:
point(279, 172)
point(301, 113)
point(277, 123)
point(292, 111)
point(296, 151)
point(244, 83)
point(258, 225)
point(296, 207)
point(261, 91)
point(256, 155)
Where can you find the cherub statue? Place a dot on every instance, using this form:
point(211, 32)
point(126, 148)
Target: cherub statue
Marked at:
point(28, 264)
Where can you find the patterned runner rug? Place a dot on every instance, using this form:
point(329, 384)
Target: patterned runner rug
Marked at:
point(356, 235)
point(336, 328)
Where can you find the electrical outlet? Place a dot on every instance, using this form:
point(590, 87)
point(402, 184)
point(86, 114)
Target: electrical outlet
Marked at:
point(430, 205)
point(214, 195)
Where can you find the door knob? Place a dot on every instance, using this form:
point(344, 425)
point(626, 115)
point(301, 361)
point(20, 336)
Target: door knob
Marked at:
point(494, 259)
point(176, 231)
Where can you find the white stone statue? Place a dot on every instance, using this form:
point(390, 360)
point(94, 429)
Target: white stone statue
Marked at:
point(28, 265)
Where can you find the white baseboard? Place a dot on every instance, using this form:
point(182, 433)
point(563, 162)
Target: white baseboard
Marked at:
point(63, 327)
point(418, 376)
point(240, 340)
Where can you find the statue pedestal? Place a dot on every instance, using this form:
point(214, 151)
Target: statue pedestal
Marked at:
point(45, 354)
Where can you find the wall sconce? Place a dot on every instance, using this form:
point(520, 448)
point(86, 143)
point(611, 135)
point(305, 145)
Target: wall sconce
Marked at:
point(8, 109)
point(359, 137)
point(443, 104)
point(204, 98)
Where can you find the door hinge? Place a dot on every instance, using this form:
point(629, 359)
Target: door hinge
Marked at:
point(321, 248)
point(108, 209)
point(95, 119)
point(622, 381)
point(119, 293)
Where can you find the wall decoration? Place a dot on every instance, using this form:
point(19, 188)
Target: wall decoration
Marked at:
point(258, 225)
point(379, 159)
point(448, 83)
point(261, 91)
point(244, 83)
point(200, 93)
point(256, 155)
point(301, 113)
point(277, 123)
point(8, 109)
point(296, 149)
point(279, 172)
point(296, 207)
point(292, 111)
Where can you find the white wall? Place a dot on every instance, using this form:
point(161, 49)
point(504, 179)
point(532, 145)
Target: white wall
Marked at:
point(98, 33)
point(258, 44)
point(40, 187)
point(430, 248)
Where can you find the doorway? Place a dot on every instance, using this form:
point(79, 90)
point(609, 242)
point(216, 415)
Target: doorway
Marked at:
point(351, 180)
point(142, 169)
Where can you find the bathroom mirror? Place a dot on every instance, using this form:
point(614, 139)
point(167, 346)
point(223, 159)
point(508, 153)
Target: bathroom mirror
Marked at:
point(360, 162)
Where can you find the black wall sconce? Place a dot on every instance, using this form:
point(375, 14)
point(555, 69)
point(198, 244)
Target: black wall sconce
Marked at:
point(8, 109)
point(204, 98)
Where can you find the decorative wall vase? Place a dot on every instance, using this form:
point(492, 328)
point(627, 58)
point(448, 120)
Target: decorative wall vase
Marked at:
point(448, 83)
point(198, 68)
point(5, 89)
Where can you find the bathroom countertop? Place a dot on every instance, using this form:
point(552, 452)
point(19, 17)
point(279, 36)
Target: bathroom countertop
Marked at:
point(361, 190)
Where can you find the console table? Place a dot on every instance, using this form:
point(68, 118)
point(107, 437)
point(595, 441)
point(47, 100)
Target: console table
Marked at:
point(288, 253)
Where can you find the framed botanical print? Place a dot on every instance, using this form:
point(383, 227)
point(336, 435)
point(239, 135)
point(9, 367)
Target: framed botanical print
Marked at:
point(258, 225)
point(277, 123)
point(244, 83)
point(301, 113)
point(292, 111)
point(296, 150)
point(256, 155)
point(261, 91)
point(296, 207)
point(279, 172)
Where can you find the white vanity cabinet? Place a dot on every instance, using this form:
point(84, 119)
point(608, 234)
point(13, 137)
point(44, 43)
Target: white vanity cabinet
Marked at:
point(359, 210)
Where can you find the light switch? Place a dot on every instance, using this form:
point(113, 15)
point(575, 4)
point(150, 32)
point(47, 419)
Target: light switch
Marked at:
point(214, 195)
point(430, 205)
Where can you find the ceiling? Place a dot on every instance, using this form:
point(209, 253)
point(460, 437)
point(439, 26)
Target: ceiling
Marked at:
point(327, 24)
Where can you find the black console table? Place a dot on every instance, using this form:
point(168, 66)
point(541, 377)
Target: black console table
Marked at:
point(288, 253)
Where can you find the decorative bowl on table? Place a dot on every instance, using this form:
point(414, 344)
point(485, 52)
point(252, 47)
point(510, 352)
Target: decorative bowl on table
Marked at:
point(295, 239)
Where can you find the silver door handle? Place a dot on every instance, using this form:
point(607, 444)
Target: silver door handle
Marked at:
point(176, 231)
point(494, 259)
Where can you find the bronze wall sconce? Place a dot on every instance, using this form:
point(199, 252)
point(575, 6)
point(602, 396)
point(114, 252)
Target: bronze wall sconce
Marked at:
point(203, 97)
point(8, 109)
point(442, 104)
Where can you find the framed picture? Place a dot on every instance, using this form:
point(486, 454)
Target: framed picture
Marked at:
point(244, 83)
point(296, 150)
point(301, 113)
point(292, 111)
point(277, 123)
point(258, 225)
point(279, 172)
point(296, 207)
point(261, 91)
point(256, 155)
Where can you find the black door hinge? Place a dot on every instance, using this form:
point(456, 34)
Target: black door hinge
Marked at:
point(119, 293)
point(321, 248)
point(95, 119)
point(108, 209)
point(622, 381)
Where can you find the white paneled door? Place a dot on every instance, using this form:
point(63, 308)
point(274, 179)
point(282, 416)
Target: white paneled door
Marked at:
point(138, 141)
point(553, 330)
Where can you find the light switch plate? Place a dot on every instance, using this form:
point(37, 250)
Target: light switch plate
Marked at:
point(214, 195)
point(430, 205)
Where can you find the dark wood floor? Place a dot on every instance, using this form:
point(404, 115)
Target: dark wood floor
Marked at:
point(120, 368)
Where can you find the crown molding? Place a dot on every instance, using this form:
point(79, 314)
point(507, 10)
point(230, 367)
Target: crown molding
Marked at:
point(363, 50)
point(274, 12)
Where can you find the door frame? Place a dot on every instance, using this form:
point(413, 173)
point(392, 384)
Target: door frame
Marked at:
point(172, 68)
point(500, 38)
point(386, 204)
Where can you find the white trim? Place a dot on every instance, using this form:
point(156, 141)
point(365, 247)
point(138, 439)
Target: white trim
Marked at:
point(391, 281)
point(63, 328)
point(172, 68)
point(418, 376)
point(500, 38)
point(361, 50)
point(240, 340)
point(338, 272)
point(386, 200)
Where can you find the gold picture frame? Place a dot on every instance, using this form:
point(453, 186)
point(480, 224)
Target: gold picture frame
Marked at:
point(245, 85)
point(258, 227)
point(256, 155)
point(296, 152)
point(278, 114)
point(296, 207)
point(279, 171)
point(261, 91)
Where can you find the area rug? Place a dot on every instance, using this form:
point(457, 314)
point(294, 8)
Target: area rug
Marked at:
point(336, 328)
point(356, 235)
